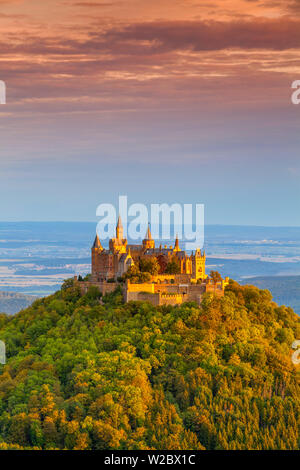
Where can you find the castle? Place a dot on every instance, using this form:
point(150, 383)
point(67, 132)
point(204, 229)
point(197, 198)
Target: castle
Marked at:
point(179, 277)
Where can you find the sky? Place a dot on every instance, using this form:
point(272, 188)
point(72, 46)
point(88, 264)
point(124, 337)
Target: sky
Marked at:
point(185, 101)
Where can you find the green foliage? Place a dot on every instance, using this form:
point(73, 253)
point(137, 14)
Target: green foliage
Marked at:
point(216, 276)
point(149, 265)
point(173, 267)
point(136, 276)
point(85, 372)
point(142, 271)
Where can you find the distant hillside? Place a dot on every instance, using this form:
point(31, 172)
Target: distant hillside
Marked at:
point(12, 302)
point(285, 289)
point(84, 374)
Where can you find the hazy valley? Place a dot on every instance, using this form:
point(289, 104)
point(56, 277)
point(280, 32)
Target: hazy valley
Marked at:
point(35, 258)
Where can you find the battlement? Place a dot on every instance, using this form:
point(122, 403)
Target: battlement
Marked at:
point(157, 293)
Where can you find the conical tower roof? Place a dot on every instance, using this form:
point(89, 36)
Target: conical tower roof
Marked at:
point(119, 224)
point(148, 234)
point(97, 243)
point(119, 229)
point(177, 247)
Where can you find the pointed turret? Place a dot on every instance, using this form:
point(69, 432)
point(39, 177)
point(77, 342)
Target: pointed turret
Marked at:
point(148, 242)
point(148, 235)
point(97, 243)
point(177, 247)
point(118, 245)
point(119, 230)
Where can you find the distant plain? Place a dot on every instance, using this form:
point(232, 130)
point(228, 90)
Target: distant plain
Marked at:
point(35, 257)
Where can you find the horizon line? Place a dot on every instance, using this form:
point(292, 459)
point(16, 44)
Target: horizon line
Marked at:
point(95, 222)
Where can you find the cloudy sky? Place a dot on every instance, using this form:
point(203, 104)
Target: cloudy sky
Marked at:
point(163, 100)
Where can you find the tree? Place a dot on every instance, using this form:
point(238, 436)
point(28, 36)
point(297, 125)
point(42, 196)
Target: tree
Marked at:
point(85, 375)
point(149, 265)
point(173, 267)
point(136, 276)
point(216, 277)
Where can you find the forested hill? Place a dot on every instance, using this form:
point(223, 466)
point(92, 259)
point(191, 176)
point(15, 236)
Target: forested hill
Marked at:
point(86, 375)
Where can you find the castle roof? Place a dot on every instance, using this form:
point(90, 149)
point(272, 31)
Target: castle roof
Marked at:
point(119, 224)
point(97, 243)
point(148, 234)
point(165, 251)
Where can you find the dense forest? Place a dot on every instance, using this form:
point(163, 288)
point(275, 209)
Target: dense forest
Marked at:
point(85, 372)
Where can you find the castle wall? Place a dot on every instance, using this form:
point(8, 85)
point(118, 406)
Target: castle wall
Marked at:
point(157, 294)
point(154, 299)
point(144, 287)
point(215, 289)
point(182, 278)
point(103, 265)
point(171, 299)
point(167, 278)
point(104, 287)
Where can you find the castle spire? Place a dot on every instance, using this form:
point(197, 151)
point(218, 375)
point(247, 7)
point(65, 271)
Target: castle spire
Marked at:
point(148, 234)
point(177, 247)
point(97, 243)
point(148, 242)
point(119, 230)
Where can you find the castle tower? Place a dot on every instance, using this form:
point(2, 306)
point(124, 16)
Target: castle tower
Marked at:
point(177, 247)
point(198, 264)
point(96, 250)
point(148, 242)
point(118, 245)
point(97, 244)
point(119, 229)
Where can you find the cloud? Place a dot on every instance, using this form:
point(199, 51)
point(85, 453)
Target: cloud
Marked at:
point(164, 36)
point(93, 4)
point(293, 5)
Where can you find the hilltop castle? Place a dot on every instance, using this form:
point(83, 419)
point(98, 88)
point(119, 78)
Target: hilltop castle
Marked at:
point(187, 283)
point(114, 262)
